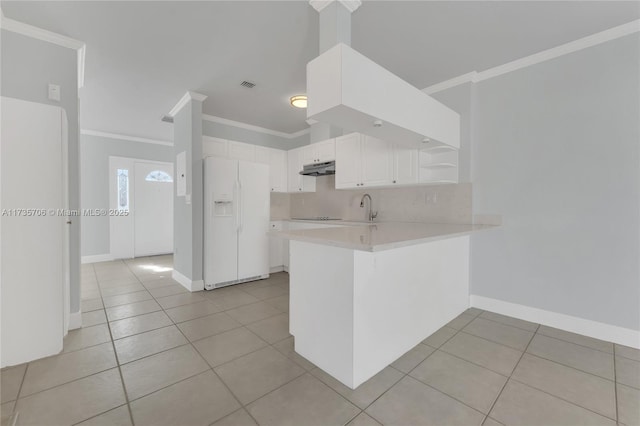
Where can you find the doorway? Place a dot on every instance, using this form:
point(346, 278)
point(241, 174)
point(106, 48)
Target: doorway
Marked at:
point(141, 198)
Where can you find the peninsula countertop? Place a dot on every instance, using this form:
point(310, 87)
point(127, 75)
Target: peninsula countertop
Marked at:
point(380, 236)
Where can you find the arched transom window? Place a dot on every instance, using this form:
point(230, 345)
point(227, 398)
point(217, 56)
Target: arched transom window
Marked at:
point(158, 176)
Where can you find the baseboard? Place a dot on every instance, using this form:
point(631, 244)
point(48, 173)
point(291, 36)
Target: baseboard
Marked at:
point(75, 320)
point(597, 330)
point(275, 269)
point(96, 258)
point(187, 282)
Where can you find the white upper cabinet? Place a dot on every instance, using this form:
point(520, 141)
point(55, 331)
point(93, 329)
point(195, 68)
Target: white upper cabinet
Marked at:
point(319, 152)
point(325, 150)
point(262, 154)
point(214, 146)
point(349, 90)
point(363, 161)
point(242, 151)
point(348, 161)
point(307, 155)
point(275, 158)
point(277, 170)
point(405, 165)
point(377, 162)
point(296, 182)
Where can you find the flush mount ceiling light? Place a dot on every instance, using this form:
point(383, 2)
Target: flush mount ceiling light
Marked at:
point(299, 101)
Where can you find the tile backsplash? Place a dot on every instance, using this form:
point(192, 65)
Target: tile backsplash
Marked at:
point(435, 204)
point(280, 205)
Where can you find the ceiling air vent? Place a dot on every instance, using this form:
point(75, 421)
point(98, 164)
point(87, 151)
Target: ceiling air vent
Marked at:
point(247, 84)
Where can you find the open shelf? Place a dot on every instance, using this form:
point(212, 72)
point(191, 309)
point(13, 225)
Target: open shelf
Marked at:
point(439, 165)
point(438, 149)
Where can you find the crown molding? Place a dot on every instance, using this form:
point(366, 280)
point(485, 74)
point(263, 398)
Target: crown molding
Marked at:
point(122, 137)
point(39, 33)
point(189, 96)
point(241, 125)
point(350, 5)
point(470, 77)
point(536, 58)
point(81, 56)
point(49, 37)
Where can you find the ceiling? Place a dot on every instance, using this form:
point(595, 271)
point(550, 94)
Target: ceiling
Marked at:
point(142, 56)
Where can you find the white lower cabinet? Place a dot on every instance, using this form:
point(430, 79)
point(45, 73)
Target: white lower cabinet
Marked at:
point(276, 249)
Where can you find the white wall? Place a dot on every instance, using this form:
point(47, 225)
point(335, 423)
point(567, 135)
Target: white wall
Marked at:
point(94, 173)
point(556, 152)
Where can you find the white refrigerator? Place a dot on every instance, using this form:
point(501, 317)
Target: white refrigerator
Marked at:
point(236, 221)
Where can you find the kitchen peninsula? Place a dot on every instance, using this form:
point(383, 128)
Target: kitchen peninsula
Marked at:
point(362, 296)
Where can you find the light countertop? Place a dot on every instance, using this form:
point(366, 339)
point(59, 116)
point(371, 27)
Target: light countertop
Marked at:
point(379, 236)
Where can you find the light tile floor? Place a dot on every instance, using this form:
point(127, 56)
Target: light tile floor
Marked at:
point(150, 353)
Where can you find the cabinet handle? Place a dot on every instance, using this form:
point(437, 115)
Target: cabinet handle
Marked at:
point(394, 181)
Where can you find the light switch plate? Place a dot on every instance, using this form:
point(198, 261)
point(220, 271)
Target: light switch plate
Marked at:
point(54, 92)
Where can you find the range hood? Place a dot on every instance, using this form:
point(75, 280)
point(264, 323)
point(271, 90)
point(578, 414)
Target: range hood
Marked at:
point(349, 90)
point(319, 169)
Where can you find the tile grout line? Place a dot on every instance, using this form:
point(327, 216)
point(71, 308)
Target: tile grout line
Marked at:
point(124, 387)
point(574, 343)
point(615, 383)
point(24, 376)
point(361, 410)
point(560, 398)
point(427, 357)
point(510, 374)
point(525, 351)
point(190, 343)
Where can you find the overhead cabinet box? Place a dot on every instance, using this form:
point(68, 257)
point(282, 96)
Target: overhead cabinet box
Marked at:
point(347, 89)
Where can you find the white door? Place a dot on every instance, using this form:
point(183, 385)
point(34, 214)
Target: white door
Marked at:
point(153, 209)
point(278, 170)
point(242, 151)
point(377, 162)
point(405, 165)
point(31, 261)
point(294, 180)
point(307, 155)
point(253, 243)
point(220, 221)
point(326, 150)
point(348, 161)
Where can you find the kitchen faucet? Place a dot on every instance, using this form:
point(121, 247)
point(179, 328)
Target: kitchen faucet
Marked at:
point(372, 215)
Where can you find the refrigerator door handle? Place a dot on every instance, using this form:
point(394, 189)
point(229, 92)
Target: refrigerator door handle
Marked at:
point(239, 201)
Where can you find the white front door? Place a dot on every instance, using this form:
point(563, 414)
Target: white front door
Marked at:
point(153, 209)
point(33, 226)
